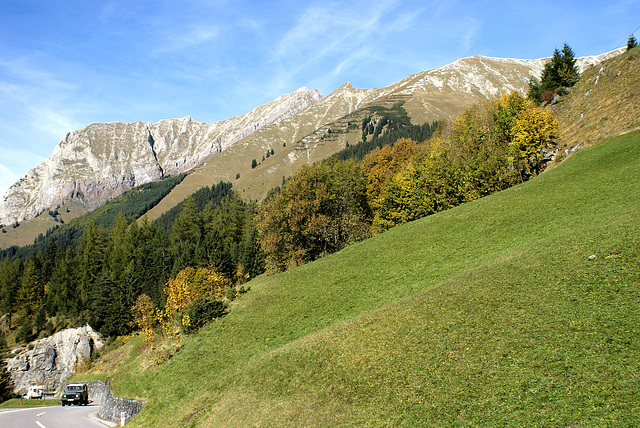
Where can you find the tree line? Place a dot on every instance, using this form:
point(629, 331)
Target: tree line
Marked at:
point(328, 206)
point(99, 278)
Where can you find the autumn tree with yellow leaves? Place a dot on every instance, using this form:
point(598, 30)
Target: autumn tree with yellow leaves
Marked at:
point(489, 147)
point(145, 316)
point(194, 297)
point(534, 134)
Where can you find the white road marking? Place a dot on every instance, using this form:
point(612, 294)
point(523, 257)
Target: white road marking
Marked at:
point(40, 414)
point(40, 425)
point(18, 410)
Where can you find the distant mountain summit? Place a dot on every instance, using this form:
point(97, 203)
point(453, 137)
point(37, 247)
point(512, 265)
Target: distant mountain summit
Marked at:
point(96, 163)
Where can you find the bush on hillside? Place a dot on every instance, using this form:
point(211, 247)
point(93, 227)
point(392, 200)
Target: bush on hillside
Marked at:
point(202, 311)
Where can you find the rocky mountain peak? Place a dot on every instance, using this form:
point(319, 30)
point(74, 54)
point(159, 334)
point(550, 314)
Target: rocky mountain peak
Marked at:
point(98, 162)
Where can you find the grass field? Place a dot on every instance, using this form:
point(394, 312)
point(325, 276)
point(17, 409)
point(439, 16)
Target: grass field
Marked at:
point(519, 309)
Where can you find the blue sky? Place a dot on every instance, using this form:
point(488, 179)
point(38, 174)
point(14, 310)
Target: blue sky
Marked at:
point(66, 64)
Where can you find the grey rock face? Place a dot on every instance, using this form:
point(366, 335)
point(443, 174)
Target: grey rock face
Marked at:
point(53, 359)
point(96, 163)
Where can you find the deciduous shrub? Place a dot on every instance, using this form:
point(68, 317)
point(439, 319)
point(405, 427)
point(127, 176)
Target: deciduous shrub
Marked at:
point(202, 311)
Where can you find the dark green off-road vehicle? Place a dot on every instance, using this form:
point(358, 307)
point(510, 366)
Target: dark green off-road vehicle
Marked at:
point(75, 393)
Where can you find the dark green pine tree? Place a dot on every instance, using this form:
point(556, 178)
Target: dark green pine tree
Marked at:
point(110, 314)
point(559, 73)
point(252, 255)
point(62, 298)
point(25, 332)
point(5, 382)
point(91, 254)
point(185, 236)
point(9, 284)
point(31, 287)
point(152, 260)
point(550, 79)
point(632, 42)
point(567, 70)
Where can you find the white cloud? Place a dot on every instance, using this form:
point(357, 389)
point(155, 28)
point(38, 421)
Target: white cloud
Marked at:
point(180, 39)
point(36, 103)
point(330, 38)
point(470, 35)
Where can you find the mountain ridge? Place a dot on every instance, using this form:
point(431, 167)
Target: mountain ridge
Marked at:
point(95, 163)
point(293, 121)
point(423, 100)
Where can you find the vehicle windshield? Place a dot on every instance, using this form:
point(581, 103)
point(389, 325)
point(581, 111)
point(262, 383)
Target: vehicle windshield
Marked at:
point(74, 388)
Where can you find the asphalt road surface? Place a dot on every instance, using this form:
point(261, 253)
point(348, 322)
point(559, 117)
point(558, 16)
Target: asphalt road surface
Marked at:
point(51, 417)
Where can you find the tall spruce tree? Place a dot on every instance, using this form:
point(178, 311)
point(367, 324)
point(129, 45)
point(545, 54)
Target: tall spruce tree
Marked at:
point(550, 79)
point(632, 42)
point(152, 260)
point(185, 236)
point(567, 70)
point(91, 254)
point(9, 283)
point(558, 74)
point(31, 288)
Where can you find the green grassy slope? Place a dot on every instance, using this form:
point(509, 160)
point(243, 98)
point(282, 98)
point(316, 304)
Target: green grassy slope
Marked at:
point(490, 314)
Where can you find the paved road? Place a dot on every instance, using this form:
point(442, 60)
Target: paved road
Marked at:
point(51, 417)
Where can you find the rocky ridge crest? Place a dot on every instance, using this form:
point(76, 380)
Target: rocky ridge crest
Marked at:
point(98, 162)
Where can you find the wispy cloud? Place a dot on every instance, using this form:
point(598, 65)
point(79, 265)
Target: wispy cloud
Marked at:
point(333, 33)
point(38, 94)
point(180, 40)
point(469, 34)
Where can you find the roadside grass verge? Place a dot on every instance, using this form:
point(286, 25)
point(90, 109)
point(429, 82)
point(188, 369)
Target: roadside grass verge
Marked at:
point(24, 403)
point(519, 309)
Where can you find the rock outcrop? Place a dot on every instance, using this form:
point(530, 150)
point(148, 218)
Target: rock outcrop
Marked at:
point(51, 360)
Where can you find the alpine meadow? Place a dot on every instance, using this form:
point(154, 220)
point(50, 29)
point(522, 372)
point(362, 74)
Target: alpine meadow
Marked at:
point(410, 256)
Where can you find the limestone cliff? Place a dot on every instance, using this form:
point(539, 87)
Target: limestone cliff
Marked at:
point(100, 161)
